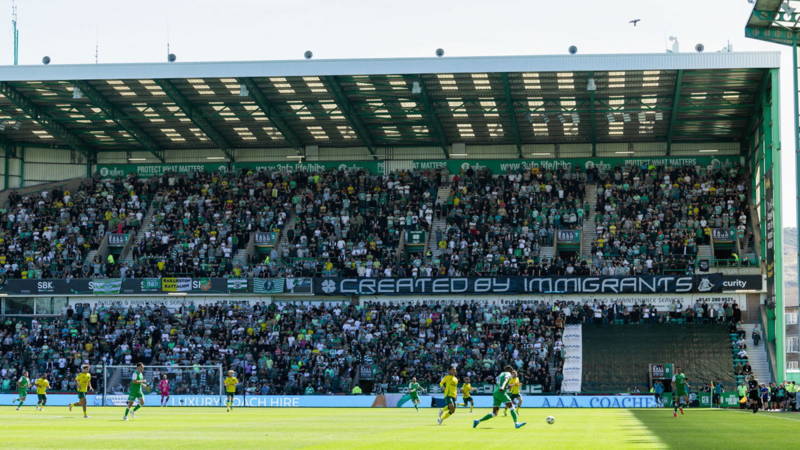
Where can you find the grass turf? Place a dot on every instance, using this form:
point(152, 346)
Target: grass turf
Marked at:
point(197, 428)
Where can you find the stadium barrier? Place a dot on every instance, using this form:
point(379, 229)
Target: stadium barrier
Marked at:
point(729, 400)
point(52, 399)
point(684, 286)
point(344, 401)
point(263, 401)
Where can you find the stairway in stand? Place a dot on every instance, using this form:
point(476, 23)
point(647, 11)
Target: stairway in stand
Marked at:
point(589, 230)
point(439, 224)
point(241, 258)
point(147, 223)
point(90, 257)
point(546, 253)
point(705, 252)
point(757, 355)
point(284, 237)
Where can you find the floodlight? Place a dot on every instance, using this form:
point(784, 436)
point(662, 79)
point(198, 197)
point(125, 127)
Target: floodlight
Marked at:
point(591, 85)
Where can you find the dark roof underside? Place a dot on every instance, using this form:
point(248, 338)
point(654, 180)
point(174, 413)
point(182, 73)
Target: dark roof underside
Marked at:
point(416, 109)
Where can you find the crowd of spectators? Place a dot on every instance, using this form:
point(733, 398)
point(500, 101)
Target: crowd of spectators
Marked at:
point(204, 218)
point(350, 222)
point(49, 234)
point(291, 348)
point(295, 348)
point(347, 222)
point(651, 219)
point(497, 223)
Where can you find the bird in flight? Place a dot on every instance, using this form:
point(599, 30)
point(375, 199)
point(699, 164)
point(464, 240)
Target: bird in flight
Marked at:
point(634, 21)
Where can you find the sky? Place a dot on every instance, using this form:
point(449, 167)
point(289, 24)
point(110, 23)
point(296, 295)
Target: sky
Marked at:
point(69, 31)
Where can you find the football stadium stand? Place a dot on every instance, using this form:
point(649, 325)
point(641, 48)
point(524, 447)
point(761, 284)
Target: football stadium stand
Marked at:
point(330, 226)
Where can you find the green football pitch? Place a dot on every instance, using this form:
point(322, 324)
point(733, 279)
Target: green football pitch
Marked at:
point(196, 428)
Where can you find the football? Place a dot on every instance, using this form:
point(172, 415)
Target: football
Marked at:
point(551, 420)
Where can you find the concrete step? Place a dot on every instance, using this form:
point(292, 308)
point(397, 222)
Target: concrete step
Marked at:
point(589, 229)
point(588, 236)
point(90, 257)
point(547, 253)
point(705, 252)
point(147, 223)
point(443, 194)
point(283, 238)
point(401, 244)
point(591, 195)
point(240, 258)
point(757, 356)
point(438, 225)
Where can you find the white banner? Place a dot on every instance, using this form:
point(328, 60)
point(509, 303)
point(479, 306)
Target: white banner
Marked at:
point(573, 359)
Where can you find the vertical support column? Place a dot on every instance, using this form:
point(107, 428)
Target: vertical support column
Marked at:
point(6, 166)
point(772, 147)
point(22, 167)
point(796, 98)
point(592, 123)
point(90, 162)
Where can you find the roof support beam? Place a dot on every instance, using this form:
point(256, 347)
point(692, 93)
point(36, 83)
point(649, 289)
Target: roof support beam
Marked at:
point(271, 112)
point(350, 113)
point(196, 117)
point(48, 122)
point(512, 113)
point(772, 34)
point(673, 117)
point(430, 113)
point(118, 117)
point(592, 124)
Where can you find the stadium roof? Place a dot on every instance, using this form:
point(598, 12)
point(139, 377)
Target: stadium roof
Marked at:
point(775, 21)
point(516, 100)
